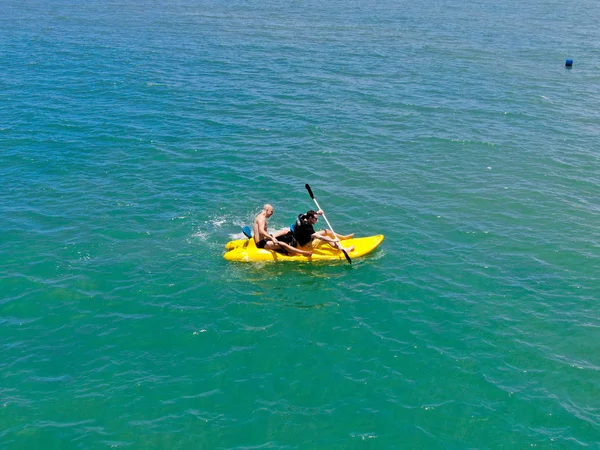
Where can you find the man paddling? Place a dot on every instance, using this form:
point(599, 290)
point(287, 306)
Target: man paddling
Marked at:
point(305, 234)
point(263, 239)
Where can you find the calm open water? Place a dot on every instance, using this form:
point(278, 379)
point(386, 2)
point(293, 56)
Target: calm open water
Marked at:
point(137, 136)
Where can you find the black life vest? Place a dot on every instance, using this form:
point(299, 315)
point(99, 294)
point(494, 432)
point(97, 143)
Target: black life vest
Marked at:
point(302, 230)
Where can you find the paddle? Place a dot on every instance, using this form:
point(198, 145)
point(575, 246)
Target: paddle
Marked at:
point(247, 231)
point(324, 217)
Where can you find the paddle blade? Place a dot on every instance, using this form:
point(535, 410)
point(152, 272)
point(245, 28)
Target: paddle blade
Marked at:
point(347, 256)
point(247, 231)
point(309, 191)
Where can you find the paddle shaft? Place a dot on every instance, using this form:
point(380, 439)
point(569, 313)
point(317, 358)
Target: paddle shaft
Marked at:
point(328, 224)
point(325, 217)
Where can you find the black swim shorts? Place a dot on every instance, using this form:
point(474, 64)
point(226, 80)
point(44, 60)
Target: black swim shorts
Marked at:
point(261, 243)
point(288, 239)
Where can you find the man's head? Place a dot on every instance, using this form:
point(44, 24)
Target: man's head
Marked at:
point(312, 216)
point(268, 209)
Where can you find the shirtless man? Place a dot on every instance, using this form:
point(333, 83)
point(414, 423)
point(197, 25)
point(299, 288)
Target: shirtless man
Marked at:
point(263, 239)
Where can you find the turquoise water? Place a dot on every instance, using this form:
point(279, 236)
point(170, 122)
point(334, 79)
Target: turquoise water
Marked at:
point(137, 137)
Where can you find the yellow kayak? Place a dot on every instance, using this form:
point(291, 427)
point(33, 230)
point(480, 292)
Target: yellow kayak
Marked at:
point(244, 250)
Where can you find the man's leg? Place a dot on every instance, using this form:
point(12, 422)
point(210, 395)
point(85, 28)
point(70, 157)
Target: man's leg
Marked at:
point(282, 245)
point(336, 245)
point(281, 232)
point(339, 236)
point(294, 250)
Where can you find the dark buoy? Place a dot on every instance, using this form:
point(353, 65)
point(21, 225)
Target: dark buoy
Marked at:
point(569, 63)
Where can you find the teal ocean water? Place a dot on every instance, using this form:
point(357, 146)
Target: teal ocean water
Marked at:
point(136, 137)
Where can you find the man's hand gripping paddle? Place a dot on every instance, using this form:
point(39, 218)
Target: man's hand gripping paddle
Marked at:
point(328, 224)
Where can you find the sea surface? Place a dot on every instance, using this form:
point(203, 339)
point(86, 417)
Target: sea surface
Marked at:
point(138, 136)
